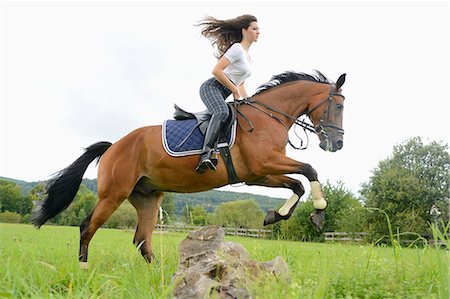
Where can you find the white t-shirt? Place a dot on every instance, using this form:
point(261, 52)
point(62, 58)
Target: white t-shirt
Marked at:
point(240, 61)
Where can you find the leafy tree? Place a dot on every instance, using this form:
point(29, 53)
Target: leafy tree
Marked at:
point(411, 187)
point(38, 192)
point(351, 219)
point(80, 208)
point(240, 214)
point(11, 198)
point(168, 205)
point(124, 217)
point(199, 215)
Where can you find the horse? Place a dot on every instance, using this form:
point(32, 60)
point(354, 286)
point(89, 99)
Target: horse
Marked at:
point(138, 168)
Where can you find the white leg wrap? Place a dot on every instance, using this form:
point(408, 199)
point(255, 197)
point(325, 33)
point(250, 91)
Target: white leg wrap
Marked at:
point(284, 210)
point(84, 265)
point(318, 201)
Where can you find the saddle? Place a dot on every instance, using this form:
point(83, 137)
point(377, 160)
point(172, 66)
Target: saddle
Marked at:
point(227, 133)
point(204, 116)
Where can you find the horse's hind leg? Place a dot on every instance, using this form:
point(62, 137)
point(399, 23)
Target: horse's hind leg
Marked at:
point(102, 211)
point(147, 207)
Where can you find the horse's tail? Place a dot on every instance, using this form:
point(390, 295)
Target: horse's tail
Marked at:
point(63, 187)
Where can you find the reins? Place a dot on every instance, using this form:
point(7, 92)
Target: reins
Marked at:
point(306, 126)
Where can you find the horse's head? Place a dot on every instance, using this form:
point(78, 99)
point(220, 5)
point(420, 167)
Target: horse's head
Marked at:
point(326, 115)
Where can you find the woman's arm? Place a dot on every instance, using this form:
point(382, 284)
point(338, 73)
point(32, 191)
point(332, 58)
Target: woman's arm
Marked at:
point(222, 78)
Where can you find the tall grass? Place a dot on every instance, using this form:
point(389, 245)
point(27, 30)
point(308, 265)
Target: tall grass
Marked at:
point(43, 264)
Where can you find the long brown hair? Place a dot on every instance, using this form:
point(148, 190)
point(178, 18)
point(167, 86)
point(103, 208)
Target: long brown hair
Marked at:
point(224, 33)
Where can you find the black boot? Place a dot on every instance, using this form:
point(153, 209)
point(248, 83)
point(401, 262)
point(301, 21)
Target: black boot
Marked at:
point(211, 136)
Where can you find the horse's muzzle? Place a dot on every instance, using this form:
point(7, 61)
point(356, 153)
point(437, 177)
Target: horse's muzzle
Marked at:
point(331, 144)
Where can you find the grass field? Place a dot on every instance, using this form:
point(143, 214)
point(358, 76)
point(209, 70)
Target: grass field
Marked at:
point(43, 264)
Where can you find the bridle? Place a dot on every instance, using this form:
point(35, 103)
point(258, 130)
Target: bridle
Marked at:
point(320, 129)
point(324, 121)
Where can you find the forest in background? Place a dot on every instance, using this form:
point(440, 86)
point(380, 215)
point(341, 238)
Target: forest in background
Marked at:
point(209, 199)
point(406, 195)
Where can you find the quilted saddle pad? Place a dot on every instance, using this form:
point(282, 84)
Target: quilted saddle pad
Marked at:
point(183, 137)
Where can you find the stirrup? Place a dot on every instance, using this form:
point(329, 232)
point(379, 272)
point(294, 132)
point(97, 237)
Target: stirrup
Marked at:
point(206, 162)
point(214, 159)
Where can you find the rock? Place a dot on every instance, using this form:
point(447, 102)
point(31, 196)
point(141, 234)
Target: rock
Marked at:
point(211, 267)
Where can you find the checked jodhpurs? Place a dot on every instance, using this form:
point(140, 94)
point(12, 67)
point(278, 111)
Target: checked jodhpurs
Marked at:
point(213, 95)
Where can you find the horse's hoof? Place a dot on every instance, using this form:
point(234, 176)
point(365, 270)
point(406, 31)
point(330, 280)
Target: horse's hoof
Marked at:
point(272, 217)
point(318, 218)
point(84, 265)
point(149, 258)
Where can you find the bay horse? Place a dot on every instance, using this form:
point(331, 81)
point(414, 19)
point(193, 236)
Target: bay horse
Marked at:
point(138, 168)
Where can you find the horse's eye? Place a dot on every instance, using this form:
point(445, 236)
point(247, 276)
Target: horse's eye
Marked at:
point(339, 106)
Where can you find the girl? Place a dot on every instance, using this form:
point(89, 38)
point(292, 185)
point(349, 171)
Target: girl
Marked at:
point(232, 39)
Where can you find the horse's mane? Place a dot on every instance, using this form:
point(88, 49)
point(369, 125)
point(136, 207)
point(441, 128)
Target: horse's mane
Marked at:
point(290, 77)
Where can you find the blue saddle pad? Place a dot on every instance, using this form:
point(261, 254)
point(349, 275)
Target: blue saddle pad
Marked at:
point(174, 133)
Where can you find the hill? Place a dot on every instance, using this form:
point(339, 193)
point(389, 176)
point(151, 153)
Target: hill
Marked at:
point(209, 199)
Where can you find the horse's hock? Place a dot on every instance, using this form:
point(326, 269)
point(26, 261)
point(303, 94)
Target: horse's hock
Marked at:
point(211, 267)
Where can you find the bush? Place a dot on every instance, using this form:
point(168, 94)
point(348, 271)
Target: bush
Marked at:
point(240, 214)
point(10, 217)
point(124, 217)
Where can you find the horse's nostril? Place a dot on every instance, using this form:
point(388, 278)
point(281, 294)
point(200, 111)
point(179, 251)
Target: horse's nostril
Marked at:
point(340, 144)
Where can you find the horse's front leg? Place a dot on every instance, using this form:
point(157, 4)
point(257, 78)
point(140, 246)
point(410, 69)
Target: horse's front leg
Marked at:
point(281, 181)
point(320, 204)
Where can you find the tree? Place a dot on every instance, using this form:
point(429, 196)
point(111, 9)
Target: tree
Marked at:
point(124, 217)
point(38, 192)
point(199, 215)
point(411, 187)
point(11, 198)
point(168, 206)
point(240, 214)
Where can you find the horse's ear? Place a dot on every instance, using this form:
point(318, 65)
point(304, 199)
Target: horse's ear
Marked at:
point(340, 81)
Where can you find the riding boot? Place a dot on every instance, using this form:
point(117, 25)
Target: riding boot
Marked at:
point(211, 136)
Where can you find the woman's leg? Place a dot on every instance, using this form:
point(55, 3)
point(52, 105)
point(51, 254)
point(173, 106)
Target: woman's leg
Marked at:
point(213, 94)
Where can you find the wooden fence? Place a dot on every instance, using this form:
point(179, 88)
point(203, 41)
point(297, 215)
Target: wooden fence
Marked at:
point(344, 237)
point(264, 233)
point(243, 232)
point(360, 237)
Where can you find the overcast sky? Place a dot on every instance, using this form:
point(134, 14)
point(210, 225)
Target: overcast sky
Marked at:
point(74, 73)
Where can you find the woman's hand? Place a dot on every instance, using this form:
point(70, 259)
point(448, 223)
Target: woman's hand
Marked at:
point(236, 94)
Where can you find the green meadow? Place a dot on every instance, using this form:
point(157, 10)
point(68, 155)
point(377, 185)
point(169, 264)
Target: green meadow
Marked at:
point(43, 264)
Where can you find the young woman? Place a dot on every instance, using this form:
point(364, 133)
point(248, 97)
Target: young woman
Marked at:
point(232, 39)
